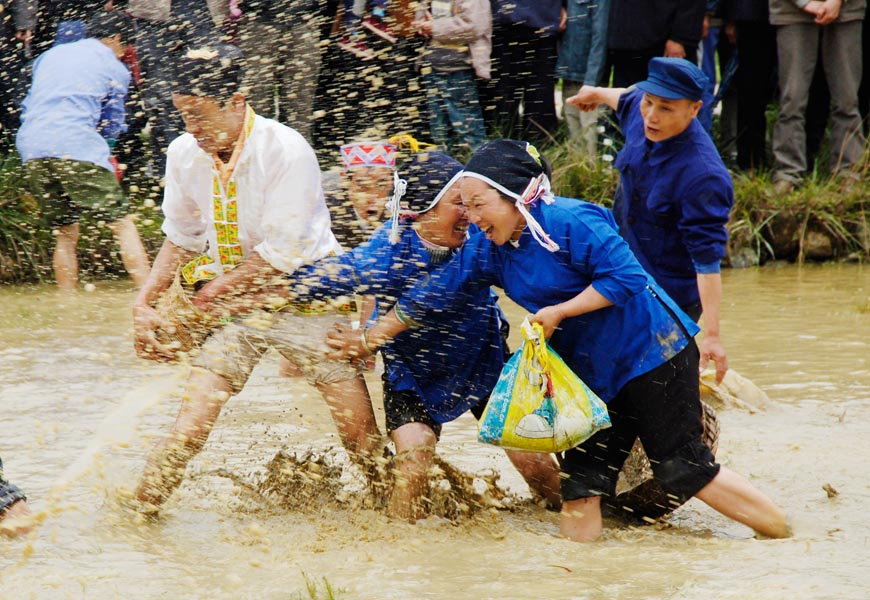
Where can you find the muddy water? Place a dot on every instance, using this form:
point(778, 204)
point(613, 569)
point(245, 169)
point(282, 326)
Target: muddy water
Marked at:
point(78, 411)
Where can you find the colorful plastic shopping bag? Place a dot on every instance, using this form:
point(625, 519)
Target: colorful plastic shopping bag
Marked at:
point(539, 404)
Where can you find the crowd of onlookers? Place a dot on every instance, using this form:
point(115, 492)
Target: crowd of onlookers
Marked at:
point(460, 71)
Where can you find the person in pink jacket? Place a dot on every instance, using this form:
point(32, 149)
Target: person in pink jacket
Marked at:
point(459, 47)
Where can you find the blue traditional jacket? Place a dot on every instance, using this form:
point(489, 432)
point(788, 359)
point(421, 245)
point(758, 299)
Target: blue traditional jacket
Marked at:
point(672, 203)
point(453, 362)
point(607, 347)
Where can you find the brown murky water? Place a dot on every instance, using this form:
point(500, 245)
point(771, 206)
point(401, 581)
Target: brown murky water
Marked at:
point(78, 411)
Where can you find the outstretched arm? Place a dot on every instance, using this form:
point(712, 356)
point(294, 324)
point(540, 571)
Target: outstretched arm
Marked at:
point(590, 97)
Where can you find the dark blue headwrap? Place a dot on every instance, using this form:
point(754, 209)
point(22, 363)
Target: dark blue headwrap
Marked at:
point(518, 171)
point(419, 184)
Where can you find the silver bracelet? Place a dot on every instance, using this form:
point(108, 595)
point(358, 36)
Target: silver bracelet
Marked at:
point(365, 342)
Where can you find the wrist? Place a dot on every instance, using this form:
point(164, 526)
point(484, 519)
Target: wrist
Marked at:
point(364, 342)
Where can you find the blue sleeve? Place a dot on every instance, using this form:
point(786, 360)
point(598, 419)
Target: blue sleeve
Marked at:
point(595, 60)
point(627, 103)
point(9, 494)
point(703, 225)
point(114, 114)
point(599, 253)
point(367, 269)
point(471, 269)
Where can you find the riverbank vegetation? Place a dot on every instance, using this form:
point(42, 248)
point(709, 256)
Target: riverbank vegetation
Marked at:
point(825, 219)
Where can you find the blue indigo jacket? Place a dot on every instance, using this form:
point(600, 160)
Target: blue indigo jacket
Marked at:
point(672, 202)
point(606, 348)
point(453, 362)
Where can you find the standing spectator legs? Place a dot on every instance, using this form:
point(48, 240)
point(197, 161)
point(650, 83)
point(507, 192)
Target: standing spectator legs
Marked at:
point(841, 57)
point(454, 107)
point(582, 126)
point(155, 43)
point(262, 46)
point(298, 79)
point(797, 50)
point(756, 47)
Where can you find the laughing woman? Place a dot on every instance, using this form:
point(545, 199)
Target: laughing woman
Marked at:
point(436, 373)
point(564, 261)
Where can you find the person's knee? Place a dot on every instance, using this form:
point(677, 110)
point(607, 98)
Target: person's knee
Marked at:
point(415, 447)
point(686, 472)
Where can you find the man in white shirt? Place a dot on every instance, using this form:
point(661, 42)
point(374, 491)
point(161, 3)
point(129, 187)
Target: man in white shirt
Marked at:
point(243, 204)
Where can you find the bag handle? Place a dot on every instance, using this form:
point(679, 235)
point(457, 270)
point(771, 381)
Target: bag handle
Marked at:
point(534, 334)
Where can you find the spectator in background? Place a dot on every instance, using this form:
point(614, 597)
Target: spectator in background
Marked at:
point(460, 42)
point(524, 38)
point(163, 28)
point(17, 23)
point(72, 116)
point(755, 39)
point(640, 30)
point(715, 44)
point(280, 40)
point(802, 30)
point(582, 54)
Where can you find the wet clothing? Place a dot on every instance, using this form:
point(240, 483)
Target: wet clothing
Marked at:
point(606, 348)
point(454, 361)
point(281, 212)
point(75, 104)
point(663, 409)
point(623, 352)
point(235, 349)
point(672, 202)
point(9, 494)
point(68, 189)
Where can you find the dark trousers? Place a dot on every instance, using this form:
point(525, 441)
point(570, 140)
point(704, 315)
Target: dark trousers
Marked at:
point(756, 88)
point(523, 64)
point(630, 66)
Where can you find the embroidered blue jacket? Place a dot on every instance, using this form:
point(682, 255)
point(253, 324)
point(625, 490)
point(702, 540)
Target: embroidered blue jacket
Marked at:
point(606, 348)
point(453, 362)
point(672, 202)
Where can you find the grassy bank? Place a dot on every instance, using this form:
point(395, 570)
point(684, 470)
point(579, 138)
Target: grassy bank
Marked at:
point(822, 220)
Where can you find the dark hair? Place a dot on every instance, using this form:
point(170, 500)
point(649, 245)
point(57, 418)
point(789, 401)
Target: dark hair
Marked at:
point(214, 71)
point(106, 24)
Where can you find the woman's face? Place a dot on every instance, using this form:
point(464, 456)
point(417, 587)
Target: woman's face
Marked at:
point(369, 189)
point(498, 218)
point(446, 224)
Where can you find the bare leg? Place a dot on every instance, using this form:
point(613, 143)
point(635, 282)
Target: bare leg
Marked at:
point(66, 263)
point(133, 253)
point(735, 497)
point(351, 408)
point(168, 460)
point(541, 472)
point(580, 519)
point(17, 520)
point(415, 454)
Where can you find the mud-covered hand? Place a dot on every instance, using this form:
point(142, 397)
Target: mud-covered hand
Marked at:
point(549, 317)
point(346, 342)
point(711, 348)
point(146, 324)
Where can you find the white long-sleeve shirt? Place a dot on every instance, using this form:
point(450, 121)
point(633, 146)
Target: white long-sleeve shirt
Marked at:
point(282, 215)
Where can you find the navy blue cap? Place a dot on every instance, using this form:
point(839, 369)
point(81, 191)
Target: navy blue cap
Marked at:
point(674, 78)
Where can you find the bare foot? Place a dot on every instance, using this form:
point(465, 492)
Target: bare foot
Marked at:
point(17, 520)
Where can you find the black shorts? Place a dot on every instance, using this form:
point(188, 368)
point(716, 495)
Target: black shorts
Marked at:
point(406, 406)
point(662, 408)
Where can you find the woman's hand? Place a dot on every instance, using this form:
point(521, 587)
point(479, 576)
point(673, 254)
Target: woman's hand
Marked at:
point(549, 317)
point(346, 342)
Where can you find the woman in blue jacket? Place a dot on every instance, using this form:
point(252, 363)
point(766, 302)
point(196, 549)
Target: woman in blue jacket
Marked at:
point(436, 373)
point(564, 261)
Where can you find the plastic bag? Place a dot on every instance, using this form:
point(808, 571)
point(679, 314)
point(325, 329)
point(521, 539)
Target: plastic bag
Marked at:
point(538, 403)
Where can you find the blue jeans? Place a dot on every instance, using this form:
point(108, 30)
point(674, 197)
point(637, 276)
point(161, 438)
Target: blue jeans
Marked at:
point(454, 108)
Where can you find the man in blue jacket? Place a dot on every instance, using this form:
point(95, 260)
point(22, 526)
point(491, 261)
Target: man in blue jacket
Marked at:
point(674, 193)
point(72, 115)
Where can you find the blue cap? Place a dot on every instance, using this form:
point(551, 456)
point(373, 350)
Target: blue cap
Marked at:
point(674, 78)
